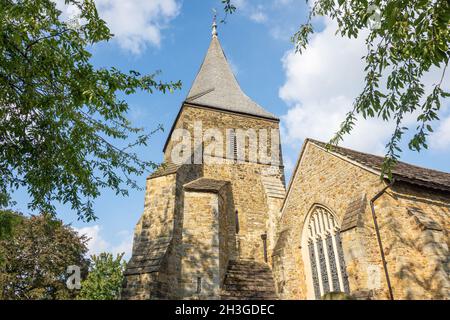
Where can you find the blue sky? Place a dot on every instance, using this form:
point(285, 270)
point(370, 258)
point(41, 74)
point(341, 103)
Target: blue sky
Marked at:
point(311, 92)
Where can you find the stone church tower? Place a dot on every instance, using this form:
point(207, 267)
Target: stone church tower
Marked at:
point(208, 225)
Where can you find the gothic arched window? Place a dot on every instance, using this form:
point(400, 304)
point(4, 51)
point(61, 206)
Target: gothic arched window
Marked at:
point(323, 254)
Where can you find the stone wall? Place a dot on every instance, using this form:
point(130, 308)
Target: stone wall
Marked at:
point(246, 184)
point(146, 276)
point(205, 243)
point(320, 179)
point(227, 232)
point(416, 256)
point(155, 268)
point(414, 226)
point(275, 193)
point(184, 175)
point(221, 120)
point(200, 258)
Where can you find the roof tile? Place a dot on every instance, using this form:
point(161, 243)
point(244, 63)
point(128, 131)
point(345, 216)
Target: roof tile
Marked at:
point(215, 86)
point(164, 170)
point(205, 185)
point(402, 171)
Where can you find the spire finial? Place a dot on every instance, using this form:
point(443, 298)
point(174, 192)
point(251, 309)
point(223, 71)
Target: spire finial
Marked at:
point(214, 25)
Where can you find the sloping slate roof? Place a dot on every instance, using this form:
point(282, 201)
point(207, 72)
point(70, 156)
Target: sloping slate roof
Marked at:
point(216, 86)
point(164, 170)
point(205, 185)
point(274, 187)
point(401, 172)
point(147, 255)
point(353, 213)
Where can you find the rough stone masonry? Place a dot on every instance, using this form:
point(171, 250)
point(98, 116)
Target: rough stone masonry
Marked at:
point(229, 230)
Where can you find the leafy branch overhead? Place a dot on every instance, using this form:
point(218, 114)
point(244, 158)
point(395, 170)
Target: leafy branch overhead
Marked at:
point(64, 134)
point(411, 37)
point(406, 40)
point(228, 8)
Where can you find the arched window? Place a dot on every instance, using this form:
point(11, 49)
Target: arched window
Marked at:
point(323, 254)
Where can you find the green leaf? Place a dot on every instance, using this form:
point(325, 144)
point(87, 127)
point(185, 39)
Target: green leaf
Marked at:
point(64, 117)
point(412, 37)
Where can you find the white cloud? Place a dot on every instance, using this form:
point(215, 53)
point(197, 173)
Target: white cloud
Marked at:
point(255, 13)
point(134, 23)
point(125, 245)
point(279, 33)
point(258, 16)
point(320, 87)
point(98, 244)
point(440, 140)
point(240, 4)
point(137, 22)
point(282, 2)
point(234, 67)
point(288, 166)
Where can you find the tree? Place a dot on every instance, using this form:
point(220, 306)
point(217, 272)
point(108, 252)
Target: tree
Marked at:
point(64, 134)
point(34, 257)
point(406, 39)
point(8, 222)
point(105, 278)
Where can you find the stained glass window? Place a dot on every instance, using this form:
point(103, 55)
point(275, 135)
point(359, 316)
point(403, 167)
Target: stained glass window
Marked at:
point(312, 258)
point(326, 257)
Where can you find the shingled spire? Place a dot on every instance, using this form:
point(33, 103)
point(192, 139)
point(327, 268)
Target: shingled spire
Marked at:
point(215, 85)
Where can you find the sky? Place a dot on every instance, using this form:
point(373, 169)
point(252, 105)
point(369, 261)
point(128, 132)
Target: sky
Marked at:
point(311, 92)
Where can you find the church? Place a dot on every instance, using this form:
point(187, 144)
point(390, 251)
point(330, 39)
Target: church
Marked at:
point(224, 225)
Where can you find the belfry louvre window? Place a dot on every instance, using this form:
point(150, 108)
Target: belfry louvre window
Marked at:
point(326, 257)
point(232, 145)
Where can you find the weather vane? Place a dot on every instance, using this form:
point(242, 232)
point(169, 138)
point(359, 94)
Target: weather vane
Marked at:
point(214, 25)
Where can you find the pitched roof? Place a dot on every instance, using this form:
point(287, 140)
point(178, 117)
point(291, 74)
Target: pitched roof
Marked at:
point(401, 172)
point(164, 169)
point(148, 254)
point(215, 86)
point(353, 213)
point(205, 185)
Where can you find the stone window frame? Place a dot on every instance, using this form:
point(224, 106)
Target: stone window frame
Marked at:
point(317, 239)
